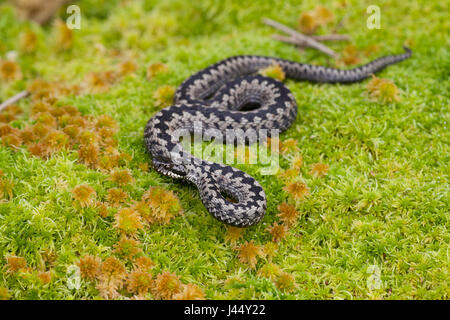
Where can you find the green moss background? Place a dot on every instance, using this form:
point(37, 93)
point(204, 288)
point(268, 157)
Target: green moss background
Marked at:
point(383, 203)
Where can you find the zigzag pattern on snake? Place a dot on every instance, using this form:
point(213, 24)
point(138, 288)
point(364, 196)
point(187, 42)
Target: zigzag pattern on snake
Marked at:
point(217, 97)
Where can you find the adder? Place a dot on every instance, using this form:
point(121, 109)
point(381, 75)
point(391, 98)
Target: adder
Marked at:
point(217, 99)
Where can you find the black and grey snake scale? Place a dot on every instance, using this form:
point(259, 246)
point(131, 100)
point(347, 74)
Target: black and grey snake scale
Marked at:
point(216, 98)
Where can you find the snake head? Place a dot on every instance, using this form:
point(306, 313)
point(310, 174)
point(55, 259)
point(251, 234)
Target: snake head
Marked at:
point(168, 168)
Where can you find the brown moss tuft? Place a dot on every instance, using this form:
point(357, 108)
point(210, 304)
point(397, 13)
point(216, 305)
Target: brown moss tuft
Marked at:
point(128, 221)
point(167, 285)
point(89, 267)
point(84, 195)
point(278, 232)
point(298, 190)
point(190, 292)
point(249, 252)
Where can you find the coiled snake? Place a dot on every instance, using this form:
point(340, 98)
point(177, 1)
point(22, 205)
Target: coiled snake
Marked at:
point(216, 98)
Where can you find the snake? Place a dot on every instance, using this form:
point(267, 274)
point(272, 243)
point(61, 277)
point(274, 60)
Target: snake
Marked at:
point(232, 96)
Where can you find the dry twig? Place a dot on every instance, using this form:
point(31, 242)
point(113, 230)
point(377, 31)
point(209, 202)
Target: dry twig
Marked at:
point(305, 40)
point(332, 37)
point(14, 99)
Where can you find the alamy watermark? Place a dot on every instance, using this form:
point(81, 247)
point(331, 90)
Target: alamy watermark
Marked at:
point(230, 146)
point(374, 20)
point(74, 19)
point(374, 280)
point(73, 277)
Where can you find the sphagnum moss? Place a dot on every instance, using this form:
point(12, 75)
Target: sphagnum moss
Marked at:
point(381, 205)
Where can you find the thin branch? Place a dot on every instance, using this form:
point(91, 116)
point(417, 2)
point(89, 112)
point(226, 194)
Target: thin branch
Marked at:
point(309, 42)
point(301, 43)
point(14, 99)
point(332, 37)
point(290, 40)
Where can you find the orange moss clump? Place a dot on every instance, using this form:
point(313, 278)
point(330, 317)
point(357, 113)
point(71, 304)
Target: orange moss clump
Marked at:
point(7, 117)
point(127, 249)
point(269, 270)
point(249, 252)
point(350, 55)
point(38, 150)
point(87, 138)
point(190, 292)
point(106, 122)
point(116, 196)
point(55, 141)
point(45, 117)
point(122, 177)
point(155, 68)
point(323, 15)
point(102, 209)
point(6, 129)
point(166, 286)
point(64, 35)
point(319, 169)
point(108, 161)
point(12, 141)
point(144, 211)
point(89, 155)
point(89, 267)
point(111, 278)
point(128, 221)
point(45, 277)
point(368, 51)
point(233, 234)
point(285, 282)
point(270, 250)
point(13, 109)
point(277, 231)
point(274, 71)
point(40, 130)
point(15, 264)
point(27, 135)
point(162, 205)
point(143, 167)
point(288, 146)
point(4, 294)
point(84, 194)
point(143, 263)
point(112, 268)
point(164, 96)
point(99, 82)
point(6, 187)
point(307, 23)
point(127, 67)
point(288, 214)
point(10, 113)
point(28, 41)
point(383, 90)
point(139, 282)
point(9, 70)
point(298, 190)
point(289, 174)
point(297, 162)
